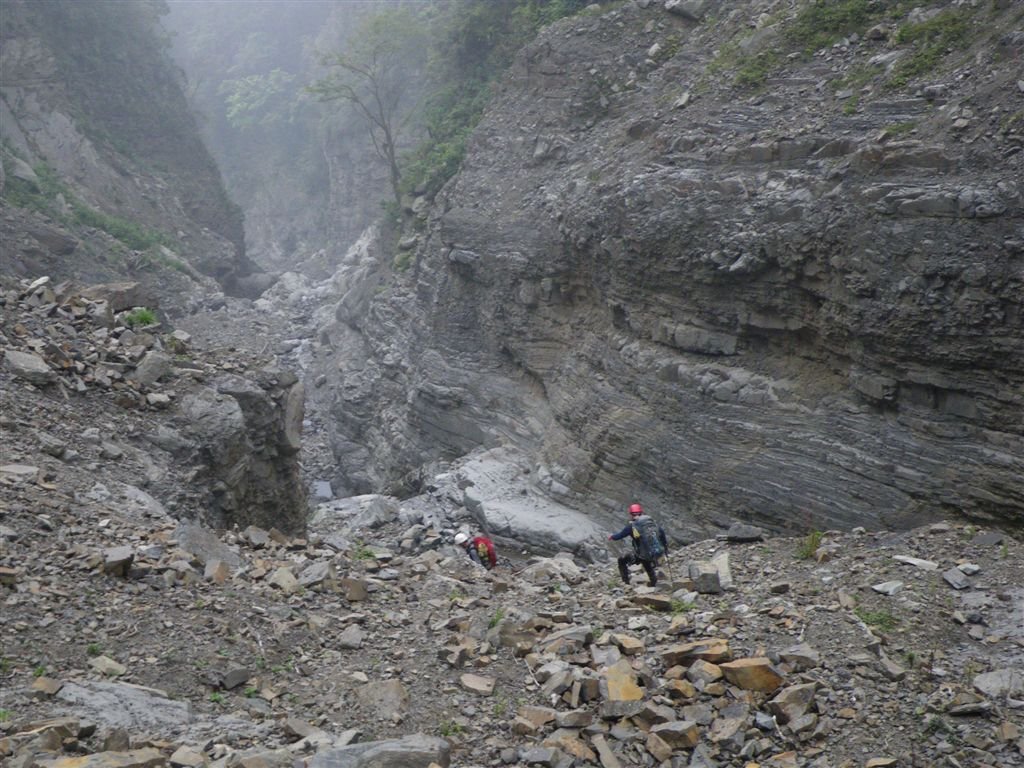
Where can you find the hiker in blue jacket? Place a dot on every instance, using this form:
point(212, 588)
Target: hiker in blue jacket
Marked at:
point(649, 544)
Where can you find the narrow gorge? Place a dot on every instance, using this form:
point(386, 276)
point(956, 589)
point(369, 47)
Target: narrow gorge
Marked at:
point(756, 265)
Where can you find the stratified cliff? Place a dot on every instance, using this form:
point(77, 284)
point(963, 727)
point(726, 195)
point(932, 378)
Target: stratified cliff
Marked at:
point(691, 263)
point(102, 157)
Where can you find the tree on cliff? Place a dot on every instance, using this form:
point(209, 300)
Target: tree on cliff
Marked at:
point(375, 75)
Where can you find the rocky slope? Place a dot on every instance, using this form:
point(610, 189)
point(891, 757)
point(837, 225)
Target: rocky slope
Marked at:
point(104, 172)
point(798, 303)
point(131, 639)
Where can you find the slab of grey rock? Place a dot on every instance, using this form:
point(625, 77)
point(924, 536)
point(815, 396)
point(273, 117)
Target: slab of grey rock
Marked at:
point(1001, 682)
point(507, 503)
point(29, 367)
point(917, 562)
point(154, 366)
point(205, 544)
point(414, 751)
point(888, 588)
point(122, 705)
point(956, 578)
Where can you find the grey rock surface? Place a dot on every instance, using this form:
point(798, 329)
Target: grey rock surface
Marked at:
point(760, 307)
point(122, 705)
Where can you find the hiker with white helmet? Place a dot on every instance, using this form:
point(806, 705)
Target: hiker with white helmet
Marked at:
point(649, 544)
point(480, 549)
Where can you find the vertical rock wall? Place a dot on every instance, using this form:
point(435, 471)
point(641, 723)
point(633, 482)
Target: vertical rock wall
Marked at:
point(737, 305)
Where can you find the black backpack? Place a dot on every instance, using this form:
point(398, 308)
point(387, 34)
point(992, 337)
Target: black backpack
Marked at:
point(646, 540)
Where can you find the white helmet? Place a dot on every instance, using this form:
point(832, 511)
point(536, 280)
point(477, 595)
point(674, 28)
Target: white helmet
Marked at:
point(461, 538)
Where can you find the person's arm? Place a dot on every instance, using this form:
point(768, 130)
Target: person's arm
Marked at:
point(473, 554)
point(664, 541)
point(621, 534)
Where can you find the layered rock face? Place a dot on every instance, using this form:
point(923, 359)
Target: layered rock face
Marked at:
point(659, 287)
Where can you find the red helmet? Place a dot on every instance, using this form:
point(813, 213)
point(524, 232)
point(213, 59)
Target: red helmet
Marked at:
point(636, 509)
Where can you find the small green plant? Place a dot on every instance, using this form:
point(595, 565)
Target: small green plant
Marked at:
point(882, 620)
point(250, 692)
point(809, 545)
point(1008, 122)
point(217, 697)
point(899, 129)
point(681, 606)
point(39, 671)
point(456, 594)
point(450, 728)
point(500, 707)
point(496, 618)
point(200, 663)
point(5, 715)
point(93, 649)
point(970, 531)
point(668, 49)
point(910, 657)
point(5, 665)
point(936, 724)
point(362, 552)
point(137, 318)
point(402, 260)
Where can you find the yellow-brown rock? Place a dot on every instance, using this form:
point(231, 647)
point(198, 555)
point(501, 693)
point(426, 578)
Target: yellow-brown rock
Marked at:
point(134, 758)
point(620, 679)
point(752, 674)
point(714, 650)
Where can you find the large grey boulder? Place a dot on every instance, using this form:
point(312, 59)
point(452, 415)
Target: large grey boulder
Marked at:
point(29, 367)
point(416, 751)
point(248, 433)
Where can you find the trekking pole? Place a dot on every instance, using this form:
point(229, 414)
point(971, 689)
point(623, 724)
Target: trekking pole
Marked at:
point(668, 567)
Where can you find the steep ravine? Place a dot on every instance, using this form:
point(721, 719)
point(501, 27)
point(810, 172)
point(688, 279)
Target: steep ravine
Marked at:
point(725, 303)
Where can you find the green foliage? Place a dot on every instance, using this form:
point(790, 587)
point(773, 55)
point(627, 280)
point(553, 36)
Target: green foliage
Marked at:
point(362, 552)
point(931, 40)
point(250, 691)
point(261, 99)
point(1010, 121)
point(936, 724)
point(754, 70)
point(681, 606)
point(882, 620)
point(899, 129)
point(809, 545)
point(133, 235)
point(496, 618)
point(216, 697)
point(93, 649)
point(450, 728)
point(823, 22)
point(5, 715)
point(41, 196)
point(473, 44)
point(140, 317)
point(39, 671)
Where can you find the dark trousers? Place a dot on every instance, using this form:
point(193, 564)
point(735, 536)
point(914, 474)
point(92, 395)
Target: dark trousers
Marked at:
point(631, 559)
